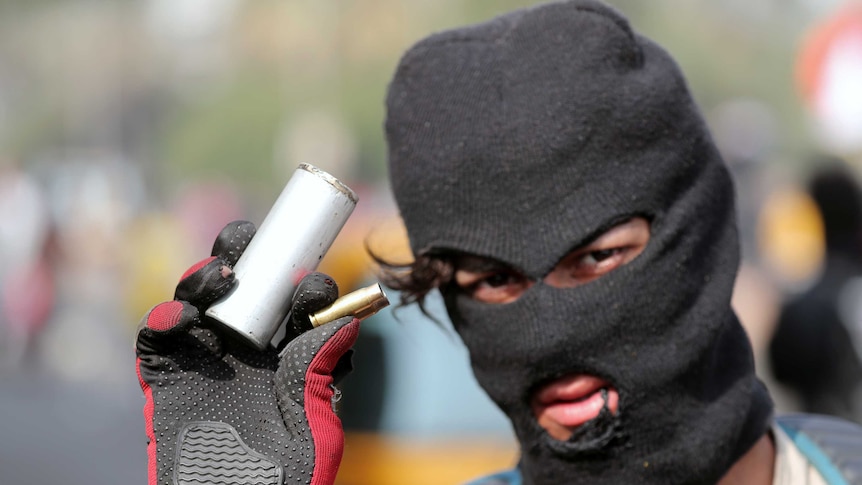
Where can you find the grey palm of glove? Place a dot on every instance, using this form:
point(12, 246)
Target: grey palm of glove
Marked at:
point(218, 411)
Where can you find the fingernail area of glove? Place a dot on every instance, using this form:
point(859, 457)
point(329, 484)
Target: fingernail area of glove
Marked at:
point(204, 284)
point(227, 277)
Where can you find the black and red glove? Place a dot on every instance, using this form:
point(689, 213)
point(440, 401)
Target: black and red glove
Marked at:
point(219, 411)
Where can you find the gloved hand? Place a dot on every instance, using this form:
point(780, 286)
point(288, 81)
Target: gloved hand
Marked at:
point(218, 411)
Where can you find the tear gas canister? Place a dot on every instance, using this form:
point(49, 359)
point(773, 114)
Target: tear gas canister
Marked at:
point(290, 242)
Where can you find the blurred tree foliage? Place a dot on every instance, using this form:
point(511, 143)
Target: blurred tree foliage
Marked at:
point(229, 132)
point(221, 98)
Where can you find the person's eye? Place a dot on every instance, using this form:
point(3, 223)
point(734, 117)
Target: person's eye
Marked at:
point(602, 256)
point(492, 286)
point(616, 247)
point(585, 266)
point(589, 265)
point(497, 280)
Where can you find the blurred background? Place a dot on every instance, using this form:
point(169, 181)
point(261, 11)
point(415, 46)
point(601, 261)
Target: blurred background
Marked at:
point(131, 132)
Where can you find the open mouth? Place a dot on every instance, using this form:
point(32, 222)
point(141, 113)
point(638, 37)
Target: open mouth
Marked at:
point(566, 403)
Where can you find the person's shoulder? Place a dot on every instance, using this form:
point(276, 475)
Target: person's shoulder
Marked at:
point(508, 477)
point(832, 445)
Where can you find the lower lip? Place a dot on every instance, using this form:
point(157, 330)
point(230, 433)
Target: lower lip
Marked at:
point(575, 413)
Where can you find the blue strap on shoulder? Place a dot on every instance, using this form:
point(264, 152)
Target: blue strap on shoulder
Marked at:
point(832, 445)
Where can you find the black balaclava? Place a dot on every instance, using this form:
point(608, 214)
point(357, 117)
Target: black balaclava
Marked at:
point(524, 137)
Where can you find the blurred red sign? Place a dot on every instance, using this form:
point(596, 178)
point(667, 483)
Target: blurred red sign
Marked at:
point(829, 74)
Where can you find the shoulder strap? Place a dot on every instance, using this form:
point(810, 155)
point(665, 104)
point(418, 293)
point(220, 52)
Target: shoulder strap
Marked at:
point(832, 445)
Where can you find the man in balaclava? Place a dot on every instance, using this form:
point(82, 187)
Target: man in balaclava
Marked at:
point(522, 138)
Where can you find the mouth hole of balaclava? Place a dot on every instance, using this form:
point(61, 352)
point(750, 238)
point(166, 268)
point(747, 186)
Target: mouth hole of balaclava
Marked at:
point(594, 436)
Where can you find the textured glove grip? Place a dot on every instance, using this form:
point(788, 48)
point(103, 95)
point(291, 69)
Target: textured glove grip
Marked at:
point(213, 453)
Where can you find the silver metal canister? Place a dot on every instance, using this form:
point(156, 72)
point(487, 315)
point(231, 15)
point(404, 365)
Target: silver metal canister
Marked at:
point(290, 242)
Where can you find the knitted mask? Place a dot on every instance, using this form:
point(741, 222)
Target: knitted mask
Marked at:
point(524, 137)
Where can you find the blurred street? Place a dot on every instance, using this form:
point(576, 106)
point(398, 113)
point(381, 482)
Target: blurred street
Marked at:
point(61, 432)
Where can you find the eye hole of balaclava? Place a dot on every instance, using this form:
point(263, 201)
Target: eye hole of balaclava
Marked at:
point(490, 281)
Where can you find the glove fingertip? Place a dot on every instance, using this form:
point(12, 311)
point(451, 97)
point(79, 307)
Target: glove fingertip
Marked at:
point(205, 282)
point(162, 322)
point(171, 316)
point(342, 340)
point(314, 292)
point(232, 240)
point(197, 266)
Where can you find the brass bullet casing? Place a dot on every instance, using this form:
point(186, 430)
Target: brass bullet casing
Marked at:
point(361, 303)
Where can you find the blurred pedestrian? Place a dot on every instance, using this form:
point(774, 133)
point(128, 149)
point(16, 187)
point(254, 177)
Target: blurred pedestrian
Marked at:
point(27, 256)
point(816, 347)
